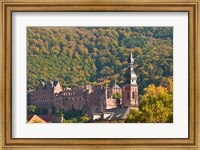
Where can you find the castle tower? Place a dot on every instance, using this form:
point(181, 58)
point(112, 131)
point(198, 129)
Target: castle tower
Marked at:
point(130, 89)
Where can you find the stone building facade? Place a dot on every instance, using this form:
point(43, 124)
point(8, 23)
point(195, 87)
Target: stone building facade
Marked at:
point(89, 98)
point(44, 95)
point(51, 96)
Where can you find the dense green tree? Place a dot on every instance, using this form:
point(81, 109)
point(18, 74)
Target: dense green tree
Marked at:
point(80, 119)
point(155, 105)
point(82, 55)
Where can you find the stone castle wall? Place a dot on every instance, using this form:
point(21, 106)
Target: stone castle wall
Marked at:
point(90, 98)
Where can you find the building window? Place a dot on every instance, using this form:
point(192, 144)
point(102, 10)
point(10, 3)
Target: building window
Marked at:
point(127, 95)
point(133, 95)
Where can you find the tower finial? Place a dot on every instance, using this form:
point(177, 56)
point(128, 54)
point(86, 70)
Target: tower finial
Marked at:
point(115, 83)
point(132, 59)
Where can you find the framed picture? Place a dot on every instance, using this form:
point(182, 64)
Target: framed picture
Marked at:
point(82, 75)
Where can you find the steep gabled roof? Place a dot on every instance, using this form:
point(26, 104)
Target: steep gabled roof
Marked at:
point(35, 119)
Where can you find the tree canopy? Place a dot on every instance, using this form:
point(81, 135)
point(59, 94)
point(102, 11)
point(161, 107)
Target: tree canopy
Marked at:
point(82, 55)
point(156, 105)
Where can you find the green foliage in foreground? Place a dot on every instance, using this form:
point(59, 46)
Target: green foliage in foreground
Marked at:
point(81, 119)
point(73, 113)
point(31, 109)
point(156, 105)
point(73, 116)
point(117, 96)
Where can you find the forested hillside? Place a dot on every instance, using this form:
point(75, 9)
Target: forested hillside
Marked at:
point(81, 55)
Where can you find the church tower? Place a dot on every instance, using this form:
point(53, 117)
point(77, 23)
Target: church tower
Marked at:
point(130, 89)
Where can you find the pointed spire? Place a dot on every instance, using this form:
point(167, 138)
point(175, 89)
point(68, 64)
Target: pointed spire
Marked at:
point(132, 59)
point(131, 77)
point(115, 83)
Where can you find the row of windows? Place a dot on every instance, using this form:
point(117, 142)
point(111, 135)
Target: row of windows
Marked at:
point(71, 98)
point(44, 103)
point(74, 98)
point(44, 96)
point(72, 93)
point(58, 101)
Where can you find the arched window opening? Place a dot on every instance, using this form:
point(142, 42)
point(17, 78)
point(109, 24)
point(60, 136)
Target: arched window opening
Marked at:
point(127, 95)
point(133, 95)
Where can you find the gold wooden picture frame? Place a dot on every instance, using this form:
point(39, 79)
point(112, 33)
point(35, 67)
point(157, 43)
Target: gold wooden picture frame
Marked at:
point(10, 6)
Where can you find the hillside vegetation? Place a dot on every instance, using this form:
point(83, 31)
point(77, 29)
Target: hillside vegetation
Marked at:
point(82, 55)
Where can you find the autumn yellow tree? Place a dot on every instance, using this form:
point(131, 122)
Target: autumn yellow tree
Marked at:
point(156, 106)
